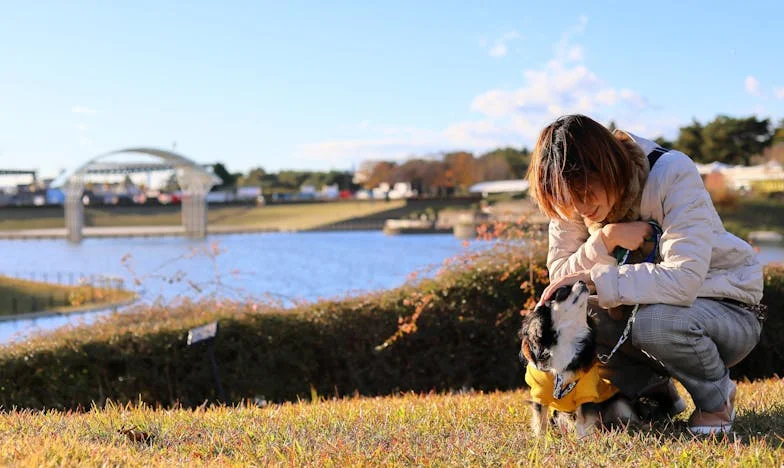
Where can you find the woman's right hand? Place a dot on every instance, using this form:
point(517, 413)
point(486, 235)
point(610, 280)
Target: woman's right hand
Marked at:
point(629, 235)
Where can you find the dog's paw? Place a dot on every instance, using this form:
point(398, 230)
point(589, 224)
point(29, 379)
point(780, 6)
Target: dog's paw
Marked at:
point(620, 411)
point(540, 420)
point(587, 419)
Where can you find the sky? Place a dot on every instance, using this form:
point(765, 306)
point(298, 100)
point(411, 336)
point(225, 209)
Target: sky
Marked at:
point(327, 85)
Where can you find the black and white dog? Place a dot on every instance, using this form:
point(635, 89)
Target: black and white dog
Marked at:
point(558, 345)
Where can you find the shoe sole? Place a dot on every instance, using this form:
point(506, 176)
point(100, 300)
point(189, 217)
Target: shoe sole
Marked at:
point(707, 430)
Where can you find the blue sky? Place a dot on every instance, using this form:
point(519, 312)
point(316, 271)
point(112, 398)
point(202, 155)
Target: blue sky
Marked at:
point(303, 85)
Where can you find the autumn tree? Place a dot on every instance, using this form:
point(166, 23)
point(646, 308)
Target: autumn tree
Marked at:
point(462, 166)
point(416, 172)
point(383, 171)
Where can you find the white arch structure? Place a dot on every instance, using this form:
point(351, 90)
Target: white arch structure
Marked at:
point(193, 179)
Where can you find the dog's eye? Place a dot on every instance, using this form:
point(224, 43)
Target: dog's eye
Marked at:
point(562, 293)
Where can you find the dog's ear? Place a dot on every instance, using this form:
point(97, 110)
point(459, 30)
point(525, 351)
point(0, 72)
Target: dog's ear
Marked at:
point(525, 349)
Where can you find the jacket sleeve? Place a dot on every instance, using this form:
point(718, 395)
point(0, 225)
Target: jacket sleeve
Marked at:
point(685, 246)
point(571, 249)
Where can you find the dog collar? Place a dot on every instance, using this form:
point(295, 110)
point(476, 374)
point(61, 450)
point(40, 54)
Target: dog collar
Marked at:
point(559, 391)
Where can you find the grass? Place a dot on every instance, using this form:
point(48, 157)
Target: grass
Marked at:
point(285, 217)
point(33, 296)
point(459, 429)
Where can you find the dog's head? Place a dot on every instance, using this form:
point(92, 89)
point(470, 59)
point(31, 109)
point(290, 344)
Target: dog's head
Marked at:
point(556, 337)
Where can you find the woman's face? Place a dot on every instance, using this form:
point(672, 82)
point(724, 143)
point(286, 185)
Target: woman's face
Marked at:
point(596, 203)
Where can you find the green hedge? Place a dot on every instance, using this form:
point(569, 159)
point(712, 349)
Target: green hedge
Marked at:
point(767, 359)
point(466, 337)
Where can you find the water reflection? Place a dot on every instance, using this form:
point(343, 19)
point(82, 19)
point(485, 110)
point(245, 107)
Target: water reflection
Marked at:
point(281, 267)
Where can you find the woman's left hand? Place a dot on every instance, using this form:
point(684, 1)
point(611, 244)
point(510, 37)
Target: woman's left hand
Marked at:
point(584, 276)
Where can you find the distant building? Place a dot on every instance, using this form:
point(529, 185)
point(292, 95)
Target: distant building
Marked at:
point(500, 186)
point(768, 177)
point(402, 190)
point(329, 192)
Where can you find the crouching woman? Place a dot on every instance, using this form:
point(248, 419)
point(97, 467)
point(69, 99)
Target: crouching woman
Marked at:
point(699, 307)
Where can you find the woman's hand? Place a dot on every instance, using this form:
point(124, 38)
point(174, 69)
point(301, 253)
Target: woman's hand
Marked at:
point(584, 276)
point(627, 235)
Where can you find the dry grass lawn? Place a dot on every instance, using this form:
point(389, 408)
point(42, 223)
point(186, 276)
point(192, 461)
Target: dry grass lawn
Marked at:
point(461, 429)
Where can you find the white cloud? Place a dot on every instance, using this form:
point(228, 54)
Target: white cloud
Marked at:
point(83, 110)
point(82, 126)
point(752, 86)
point(499, 47)
point(511, 116)
point(498, 50)
point(575, 53)
point(779, 92)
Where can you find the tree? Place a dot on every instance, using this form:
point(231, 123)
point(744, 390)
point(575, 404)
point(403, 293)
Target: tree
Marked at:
point(734, 141)
point(415, 172)
point(778, 133)
point(611, 126)
point(227, 179)
point(343, 179)
point(493, 166)
point(689, 141)
point(462, 166)
point(292, 180)
point(171, 184)
point(517, 160)
point(383, 171)
point(663, 142)
point(254, 178)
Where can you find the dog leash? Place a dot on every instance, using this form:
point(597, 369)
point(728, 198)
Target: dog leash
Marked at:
point(622, 256)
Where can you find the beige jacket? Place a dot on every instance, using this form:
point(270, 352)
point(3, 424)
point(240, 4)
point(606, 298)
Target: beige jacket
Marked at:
point(699, 258)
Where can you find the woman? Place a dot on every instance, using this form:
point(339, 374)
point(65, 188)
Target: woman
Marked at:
point(697, 313)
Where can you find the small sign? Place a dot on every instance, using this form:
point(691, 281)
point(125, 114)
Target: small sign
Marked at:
point(204, 332)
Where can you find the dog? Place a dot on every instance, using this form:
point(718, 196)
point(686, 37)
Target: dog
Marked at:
point(562, 369)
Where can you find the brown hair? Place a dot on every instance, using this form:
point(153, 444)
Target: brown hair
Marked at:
point(568, 153)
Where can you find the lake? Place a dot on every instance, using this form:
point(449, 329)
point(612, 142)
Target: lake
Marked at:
point(283, 267)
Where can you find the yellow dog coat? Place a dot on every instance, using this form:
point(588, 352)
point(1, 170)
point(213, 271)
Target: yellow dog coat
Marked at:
point(590, 388)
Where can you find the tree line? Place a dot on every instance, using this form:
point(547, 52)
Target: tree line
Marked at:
point(725, 139)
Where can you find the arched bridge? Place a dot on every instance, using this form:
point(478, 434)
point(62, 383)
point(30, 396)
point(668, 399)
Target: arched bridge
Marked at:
point(193, 179)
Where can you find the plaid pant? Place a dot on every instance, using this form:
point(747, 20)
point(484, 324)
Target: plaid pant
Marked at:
point(696, 345)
